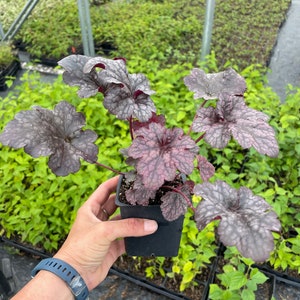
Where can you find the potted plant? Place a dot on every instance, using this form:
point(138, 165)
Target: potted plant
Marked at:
point(9, 64)
point(161, 158)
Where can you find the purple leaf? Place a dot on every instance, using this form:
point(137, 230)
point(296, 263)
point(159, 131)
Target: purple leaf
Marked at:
point(247, 220)
point(124, 102)
point(210, 86)
point(128, 94)
point(89, 83)
point(232, 117)
point(136, 125)
point(205, 168)
point(57, 133)
point(139, 194)
point(160, 153)
point(174, 204)
point(125, 95)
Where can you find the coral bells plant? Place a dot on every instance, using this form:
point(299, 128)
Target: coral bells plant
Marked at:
point(159, 155)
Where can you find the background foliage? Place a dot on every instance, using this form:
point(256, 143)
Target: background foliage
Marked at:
point(167, 31)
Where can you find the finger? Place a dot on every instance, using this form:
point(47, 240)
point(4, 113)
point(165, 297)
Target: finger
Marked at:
point(109, 206)
point(128, 227)
point(103, 215)
point(101, 194)
point(115, 218)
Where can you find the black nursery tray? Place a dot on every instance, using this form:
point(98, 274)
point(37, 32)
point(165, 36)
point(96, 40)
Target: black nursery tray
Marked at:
point(280, 285)
point(11, 70)
point(161, 289)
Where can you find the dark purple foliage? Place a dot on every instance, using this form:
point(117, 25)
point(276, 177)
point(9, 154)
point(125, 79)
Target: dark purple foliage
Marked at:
point(57, 133)
point(139, 194)
point(210, 86)
point(160, 153)
point(232, 117)
point(125, 95)
point(205, 168)
point(160, 119)
point(247, 221)
point(175, 203)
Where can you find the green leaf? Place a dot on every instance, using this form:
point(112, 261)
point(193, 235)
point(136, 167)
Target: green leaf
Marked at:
point(247, 295)
point(188, 277)
point(187, 267)
point(180, 116)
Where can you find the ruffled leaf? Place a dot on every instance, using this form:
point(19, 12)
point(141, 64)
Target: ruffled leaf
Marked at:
point(139, 194)
point(57, 133)
point(206, 169)
point(210, 86)
point(89, 83)
point(136, 125)
point(125, 95)
point(131, 100)
point(174, 204)
point(160, 153)
point(247, 220)
point(232, 117)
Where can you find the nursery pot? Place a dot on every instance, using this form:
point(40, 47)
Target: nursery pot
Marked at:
point(164, 242)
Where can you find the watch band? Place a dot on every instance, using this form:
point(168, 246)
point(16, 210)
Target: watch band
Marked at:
point(67, 273)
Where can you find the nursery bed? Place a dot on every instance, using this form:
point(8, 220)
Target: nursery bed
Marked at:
point(125, 275)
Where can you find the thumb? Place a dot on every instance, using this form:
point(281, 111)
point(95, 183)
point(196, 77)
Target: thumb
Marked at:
point(131, 227)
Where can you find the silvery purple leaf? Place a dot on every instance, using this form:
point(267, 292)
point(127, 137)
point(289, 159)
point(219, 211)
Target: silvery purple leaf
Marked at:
point(113, 70)
point(161, 152)
point(74, 75)
point(130, 100)
point(136, 125)
point(210, 86)
point(247, 220)
point(232, 117)
point(174, 204)
point(139, 194)
point(128, 94)
point(206, 169)
point(125, 95)
point(57, 133)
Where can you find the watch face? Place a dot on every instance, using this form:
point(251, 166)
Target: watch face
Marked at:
point(77, 285)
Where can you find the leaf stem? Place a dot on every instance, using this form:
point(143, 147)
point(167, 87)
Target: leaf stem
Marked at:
point(87, 158)
point(130, 127)
point(200, 138)
point(108, 168)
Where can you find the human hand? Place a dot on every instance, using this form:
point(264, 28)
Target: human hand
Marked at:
point(93, 243)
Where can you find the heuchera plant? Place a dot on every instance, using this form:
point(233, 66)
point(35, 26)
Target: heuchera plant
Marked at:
point(158, 155)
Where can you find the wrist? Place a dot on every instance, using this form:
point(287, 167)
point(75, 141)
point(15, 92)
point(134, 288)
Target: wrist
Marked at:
point(65, 272)
point(68, 258)
point(45, 285)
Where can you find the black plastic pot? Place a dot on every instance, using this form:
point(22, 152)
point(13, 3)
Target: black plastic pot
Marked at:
point(164, 242)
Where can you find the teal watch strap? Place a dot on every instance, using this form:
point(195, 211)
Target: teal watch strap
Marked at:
point(67, 273)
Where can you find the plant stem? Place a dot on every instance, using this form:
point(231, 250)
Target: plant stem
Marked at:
point(108, 168)
point(131, 128)
point(200, 138)
point(88, 159)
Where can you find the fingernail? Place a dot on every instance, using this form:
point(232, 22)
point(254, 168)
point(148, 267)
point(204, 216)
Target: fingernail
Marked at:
point(150, 225)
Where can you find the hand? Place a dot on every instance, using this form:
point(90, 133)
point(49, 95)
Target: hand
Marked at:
point(94, 244)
